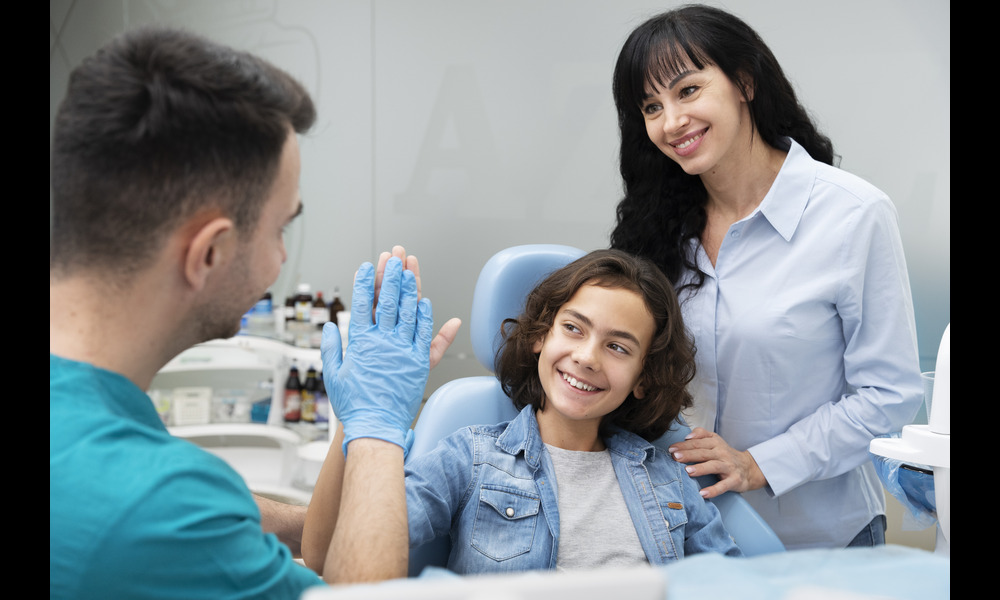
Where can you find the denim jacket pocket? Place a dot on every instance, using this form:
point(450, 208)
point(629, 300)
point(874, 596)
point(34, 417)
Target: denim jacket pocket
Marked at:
point(671, 500)
point(505, 522)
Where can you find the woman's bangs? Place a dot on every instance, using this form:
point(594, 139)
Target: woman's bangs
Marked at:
point(668, 60)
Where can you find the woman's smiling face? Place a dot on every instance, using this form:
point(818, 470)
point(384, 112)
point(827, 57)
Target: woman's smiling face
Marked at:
point(698, 118)
point(591, 359)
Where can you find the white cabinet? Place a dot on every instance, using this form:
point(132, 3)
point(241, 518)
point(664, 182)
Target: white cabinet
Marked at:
point(237, 377)
point(250, 366)
point(266, 456)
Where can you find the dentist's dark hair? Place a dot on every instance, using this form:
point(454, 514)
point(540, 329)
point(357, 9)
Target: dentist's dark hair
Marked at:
point(668, 365)
point(663, 208)
point(156, 126)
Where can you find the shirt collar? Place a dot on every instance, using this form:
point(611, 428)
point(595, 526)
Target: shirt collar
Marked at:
point(630, 445)
point(522, 434)
point(114, 391)
point(785, 202)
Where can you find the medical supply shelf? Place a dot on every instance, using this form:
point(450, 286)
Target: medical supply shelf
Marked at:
point(243, 362)
point(278, 460)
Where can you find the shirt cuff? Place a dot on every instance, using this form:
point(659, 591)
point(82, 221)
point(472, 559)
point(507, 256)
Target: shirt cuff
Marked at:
point(782, 464)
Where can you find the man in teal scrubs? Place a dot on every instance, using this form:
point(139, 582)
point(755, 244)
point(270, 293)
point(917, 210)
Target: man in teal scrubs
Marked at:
point(175, 170)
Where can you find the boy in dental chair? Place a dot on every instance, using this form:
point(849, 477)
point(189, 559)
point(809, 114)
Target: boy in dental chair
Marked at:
point(597, 365)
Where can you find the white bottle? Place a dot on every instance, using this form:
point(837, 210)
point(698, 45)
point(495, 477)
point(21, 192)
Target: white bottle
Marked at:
point(303, 303)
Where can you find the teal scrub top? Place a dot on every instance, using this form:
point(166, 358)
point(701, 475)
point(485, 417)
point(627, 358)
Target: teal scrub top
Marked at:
point(135, 512)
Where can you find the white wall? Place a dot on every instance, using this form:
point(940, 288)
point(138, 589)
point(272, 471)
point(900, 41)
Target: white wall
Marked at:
point(460, 127)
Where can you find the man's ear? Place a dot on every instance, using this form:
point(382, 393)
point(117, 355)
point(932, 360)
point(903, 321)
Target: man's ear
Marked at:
point(210, 246)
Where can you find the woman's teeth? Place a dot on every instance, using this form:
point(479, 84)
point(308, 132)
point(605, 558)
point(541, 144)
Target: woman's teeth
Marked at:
point(578, 384)
point(687, 143)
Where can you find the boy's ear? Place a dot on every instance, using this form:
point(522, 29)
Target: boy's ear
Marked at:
point(209, 247)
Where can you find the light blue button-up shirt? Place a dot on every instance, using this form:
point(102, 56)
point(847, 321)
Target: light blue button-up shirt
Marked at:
point(492, 489)
point(807, 348)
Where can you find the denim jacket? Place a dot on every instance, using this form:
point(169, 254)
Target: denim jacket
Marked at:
point(492, 488)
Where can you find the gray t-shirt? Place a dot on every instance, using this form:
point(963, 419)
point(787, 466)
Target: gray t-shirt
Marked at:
point(595, 529)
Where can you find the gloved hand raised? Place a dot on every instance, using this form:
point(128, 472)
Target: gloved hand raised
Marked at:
point(377, 387)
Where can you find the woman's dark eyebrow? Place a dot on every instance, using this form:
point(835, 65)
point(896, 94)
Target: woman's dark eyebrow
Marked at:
point(672, 83)
point(614, 333)
point(677, 78)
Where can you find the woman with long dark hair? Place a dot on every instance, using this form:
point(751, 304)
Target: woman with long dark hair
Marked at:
point(790, 272)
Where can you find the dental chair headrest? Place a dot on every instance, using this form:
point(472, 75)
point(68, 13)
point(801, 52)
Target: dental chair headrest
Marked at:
point(502, 287)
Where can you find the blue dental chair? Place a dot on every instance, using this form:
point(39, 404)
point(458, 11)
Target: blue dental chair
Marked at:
point(500, 291)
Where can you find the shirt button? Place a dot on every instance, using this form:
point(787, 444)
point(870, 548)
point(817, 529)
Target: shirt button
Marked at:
point(509, 511)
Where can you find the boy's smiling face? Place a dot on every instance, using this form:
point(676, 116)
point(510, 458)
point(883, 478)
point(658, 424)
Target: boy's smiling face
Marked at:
point(589, 362)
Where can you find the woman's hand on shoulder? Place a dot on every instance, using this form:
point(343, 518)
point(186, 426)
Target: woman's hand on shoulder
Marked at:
point(706, 453)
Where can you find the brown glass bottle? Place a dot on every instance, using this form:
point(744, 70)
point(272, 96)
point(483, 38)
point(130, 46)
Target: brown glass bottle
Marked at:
point(320, 311)
point(309, 392)
point(293, 396)
point(336, 306)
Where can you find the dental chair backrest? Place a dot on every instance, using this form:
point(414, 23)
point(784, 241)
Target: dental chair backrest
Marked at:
point(500, 292)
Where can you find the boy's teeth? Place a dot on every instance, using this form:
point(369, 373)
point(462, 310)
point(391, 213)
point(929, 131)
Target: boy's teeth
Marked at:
point(578, 384)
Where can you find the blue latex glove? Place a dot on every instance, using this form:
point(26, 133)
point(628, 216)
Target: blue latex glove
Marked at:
point(377, 387)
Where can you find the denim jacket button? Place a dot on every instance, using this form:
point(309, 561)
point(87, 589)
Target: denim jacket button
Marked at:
point(509, 511)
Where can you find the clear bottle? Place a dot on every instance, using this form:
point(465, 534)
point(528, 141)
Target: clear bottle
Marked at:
point(261, 408)
point(293, 396)
point(262, 317)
